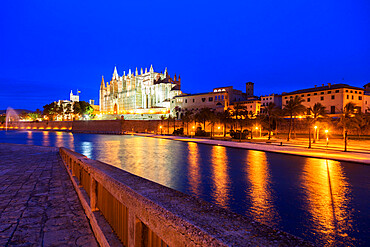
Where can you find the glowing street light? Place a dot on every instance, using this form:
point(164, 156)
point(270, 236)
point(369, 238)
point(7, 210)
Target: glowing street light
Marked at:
point(161, 129)
point(327, 138)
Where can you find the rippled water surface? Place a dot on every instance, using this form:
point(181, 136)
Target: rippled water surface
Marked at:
point(324, 201)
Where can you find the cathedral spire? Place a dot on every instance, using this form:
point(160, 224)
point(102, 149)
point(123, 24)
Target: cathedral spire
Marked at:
point(115, 74)
point(166, 72)
point(102, 85)
point(151, 68)
point(136, 73)
point(141, 71)
point(129, 72)
point(146, 70)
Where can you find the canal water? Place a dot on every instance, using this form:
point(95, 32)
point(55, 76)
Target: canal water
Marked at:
point(323, 201)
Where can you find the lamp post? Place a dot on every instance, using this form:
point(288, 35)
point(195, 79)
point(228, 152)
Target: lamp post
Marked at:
point(327, 138)
point(315, 134)
point(258, 129)
point(218, 128)
point(161, 129)
point(193, 130)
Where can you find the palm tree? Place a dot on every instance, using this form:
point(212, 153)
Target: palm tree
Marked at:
point(270, 113)
point(187, 118)
point(203, 116)
point(169, 119)
point(293, 108)
point(238, 112)
point(346, 122)
point(224, 118)
point(317, 111)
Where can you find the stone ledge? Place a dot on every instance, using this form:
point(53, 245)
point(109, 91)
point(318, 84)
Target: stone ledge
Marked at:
point(180, 219)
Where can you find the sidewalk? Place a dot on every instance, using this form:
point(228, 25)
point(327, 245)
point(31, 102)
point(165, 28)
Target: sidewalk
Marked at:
point(38, 204)
point(359, 157)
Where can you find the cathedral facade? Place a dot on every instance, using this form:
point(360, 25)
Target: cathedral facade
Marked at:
point(148, 90)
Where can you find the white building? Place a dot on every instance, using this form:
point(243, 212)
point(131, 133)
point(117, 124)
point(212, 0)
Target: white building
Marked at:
point(147, 92)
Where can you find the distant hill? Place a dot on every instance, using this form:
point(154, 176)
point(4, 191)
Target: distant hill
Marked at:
point(18, 111)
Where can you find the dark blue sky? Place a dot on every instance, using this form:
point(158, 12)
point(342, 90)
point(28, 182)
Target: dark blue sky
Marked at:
point(49, 47)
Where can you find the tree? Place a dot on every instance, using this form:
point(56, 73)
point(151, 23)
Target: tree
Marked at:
point(270, 113)
point(224, 118)
point(203, 116)
point(33, 115)
point(51, 110)
point(346, 121)
point(82, 108)
point(293, 108)
point(317, 111)
point(187, 118)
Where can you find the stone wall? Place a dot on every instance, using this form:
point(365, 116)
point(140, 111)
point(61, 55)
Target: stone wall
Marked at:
point(145, 212)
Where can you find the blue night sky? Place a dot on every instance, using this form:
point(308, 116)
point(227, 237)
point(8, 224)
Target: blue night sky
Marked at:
point(49, 47)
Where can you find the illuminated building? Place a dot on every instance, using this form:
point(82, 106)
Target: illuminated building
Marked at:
point(219, 99)
point(333, 97)
point(146, 92)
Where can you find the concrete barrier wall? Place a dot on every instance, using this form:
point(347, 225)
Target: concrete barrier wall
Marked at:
point(144, 213)
point(45, 125)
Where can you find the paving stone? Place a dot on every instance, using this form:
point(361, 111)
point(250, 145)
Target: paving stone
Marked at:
point(38, 204)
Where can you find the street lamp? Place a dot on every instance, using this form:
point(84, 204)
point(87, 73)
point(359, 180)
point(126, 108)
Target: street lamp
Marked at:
point(316, 133)
point(161, 129)
point(259, 129)
point(327, 138)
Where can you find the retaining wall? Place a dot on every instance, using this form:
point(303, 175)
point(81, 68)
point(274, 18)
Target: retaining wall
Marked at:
point(144, 213)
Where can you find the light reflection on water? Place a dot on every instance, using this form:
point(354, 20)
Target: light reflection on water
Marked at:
point(322, 201)
point(328, 197)
point(220, 178)
point(260, 192)
point(194, 177)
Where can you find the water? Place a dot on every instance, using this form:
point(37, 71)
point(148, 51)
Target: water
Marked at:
point(11, 116)
point(324, 201)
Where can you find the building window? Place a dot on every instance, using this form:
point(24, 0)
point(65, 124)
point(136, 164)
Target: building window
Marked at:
point(332, 109)
point(351, 91)
point(302, 95)
point(352, 97)
point(346, 91)
point(186, 101)
point(286, 102)
point(332, 97)
point(315, 94)
point(193, 100)
point(322, 93)
point(308, 99)
point(347, 96)
point(355, 91)
point(337, 91)
point(222, 97)
point(286, 97)
point(271, 98)
point(291, 96)
point(203, 99)
point(309, 94)
point(360, 92)
point(359, 97)
point(322, 98)
point(329, 92)
point(210, 99)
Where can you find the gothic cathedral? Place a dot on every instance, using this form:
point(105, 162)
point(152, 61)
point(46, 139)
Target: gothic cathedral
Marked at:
point(147, 90)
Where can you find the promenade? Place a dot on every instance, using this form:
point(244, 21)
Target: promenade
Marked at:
point(38, 204)
point(286, 148)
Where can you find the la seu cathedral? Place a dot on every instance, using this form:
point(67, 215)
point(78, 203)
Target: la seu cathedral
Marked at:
point(147, 92)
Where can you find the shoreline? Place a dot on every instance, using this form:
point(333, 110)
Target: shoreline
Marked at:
point(353, 157)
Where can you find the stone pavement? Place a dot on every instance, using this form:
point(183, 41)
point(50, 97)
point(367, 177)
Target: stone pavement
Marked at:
point(38, 204)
